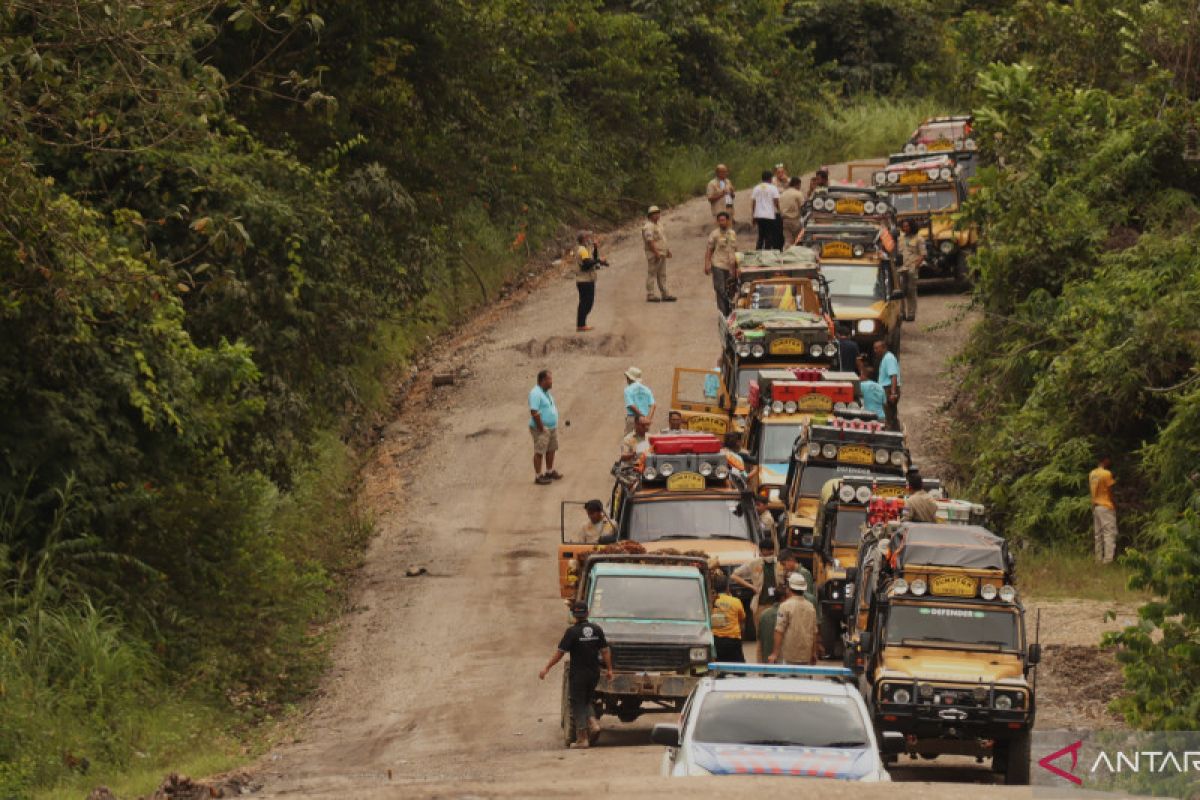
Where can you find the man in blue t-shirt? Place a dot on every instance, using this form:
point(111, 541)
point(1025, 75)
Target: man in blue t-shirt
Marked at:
point(873, 396)
point(888, 370)
point(639, 400)
point(543, 426)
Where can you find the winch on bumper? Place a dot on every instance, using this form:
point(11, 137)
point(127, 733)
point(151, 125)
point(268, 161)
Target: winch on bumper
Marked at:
point(951, 718)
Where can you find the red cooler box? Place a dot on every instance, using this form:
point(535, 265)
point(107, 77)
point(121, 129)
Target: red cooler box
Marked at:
point(674, 444)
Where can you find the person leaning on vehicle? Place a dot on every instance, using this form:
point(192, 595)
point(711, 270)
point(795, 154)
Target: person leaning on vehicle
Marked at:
point(795, 626)
point(636, 442)
point(1104, 511)
point(584, 642)
point(887, 368)
point(720, 260)
point(912, 256)
point(728, 613)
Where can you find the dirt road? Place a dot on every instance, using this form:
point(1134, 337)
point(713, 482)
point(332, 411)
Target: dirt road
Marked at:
point(434, 685)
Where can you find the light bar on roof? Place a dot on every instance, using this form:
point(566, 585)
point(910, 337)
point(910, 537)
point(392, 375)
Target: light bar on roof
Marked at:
point(782, 671)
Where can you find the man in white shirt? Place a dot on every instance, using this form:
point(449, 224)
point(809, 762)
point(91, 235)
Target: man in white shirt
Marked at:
point(766, 214)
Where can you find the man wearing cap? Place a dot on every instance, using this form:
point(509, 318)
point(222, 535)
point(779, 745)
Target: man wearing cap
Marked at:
point(654, 239)
point(795, 626)
point(728, 614)
point(584, 642)
point(639, 400)
point(636, 442)
point(720, 192)
point(720, 260)
point(599, 528)
point(920, 504)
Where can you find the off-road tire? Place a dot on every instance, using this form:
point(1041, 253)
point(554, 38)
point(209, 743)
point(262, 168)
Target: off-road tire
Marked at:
point(831, 635)
point(568, 719)
point(1016, 767)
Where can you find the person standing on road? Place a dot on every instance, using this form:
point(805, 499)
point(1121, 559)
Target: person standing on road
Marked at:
point(720, 193)
point(720, 260)
point(912, 256)
point(587, 262)
point(1104, 511)
point(598, 529)
point(873, 396)
point(639, 400)
point(766, 213)
point(728, 614)
point(654, 239)
point(584, 642)
point(781, 179)
point(791, 209)
point(888, 370)
point(847, 353)
point(795, 626)
point(543, 425)
point(920, 504)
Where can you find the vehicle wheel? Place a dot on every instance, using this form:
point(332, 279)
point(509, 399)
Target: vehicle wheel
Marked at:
point(831, 635)
point(629, 710)
point(1016, 767)
point(568, 719)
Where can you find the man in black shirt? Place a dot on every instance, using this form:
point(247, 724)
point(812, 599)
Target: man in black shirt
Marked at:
point(585, 643)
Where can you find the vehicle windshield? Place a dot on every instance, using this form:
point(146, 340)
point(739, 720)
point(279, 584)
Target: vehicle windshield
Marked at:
point(846, 280)
point(777, 443)
point(925, 200)
point(815, 476)
point(947, 624)
point(697, 518)
point(848, 529)
point(647, 597)
point(782, 719)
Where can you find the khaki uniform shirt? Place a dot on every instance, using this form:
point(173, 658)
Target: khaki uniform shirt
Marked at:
point(912, 250)
point(791, 204)
point(781, 183)
point(591, 532)
point(797, 621)
point(725, 200)
point(652, 232)
point(724, 248)
point(921, 507)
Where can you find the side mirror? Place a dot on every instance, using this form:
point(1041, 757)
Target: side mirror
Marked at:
point(1034, 656)
point(897, 294)
point(666, 734)
point(891, 743)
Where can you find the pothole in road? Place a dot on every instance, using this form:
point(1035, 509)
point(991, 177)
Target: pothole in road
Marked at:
point(605, 344)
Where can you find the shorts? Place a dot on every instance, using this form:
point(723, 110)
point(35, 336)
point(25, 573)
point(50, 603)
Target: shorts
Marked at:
point(545, 441)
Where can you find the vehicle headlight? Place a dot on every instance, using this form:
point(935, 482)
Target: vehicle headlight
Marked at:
point(846, 493)
point(757, 350)
point(721, 472)
point(863, 494)
point(650, 473)
point(1004, 702)
point(946, 247)
point(773, 496)
point(899, 586)
point(958, 144)
point(667, 469)
point(849, 591)
point(806, 539)
point(853, 406)
point(882, 208)
point(777, 407)
point(815, 351)
point(866, 326)
point(971, 144)
point(898, 458)
point(859, 250)
point(829, 451)
point(698, 654)
point(910, 149)
point(881, 456)
point(839, 406)
point(706, 469)
point(901, 695)
point(744, 350)
point(893, 177)
point(988, 591)
point(944, 173)
point(790, 406)
point(932, 172)
point(922, 148)
point(918, 587)
point(869, 207)
point(880, 178)
point(831, 349)
point(1007, 593)
point(925, 691)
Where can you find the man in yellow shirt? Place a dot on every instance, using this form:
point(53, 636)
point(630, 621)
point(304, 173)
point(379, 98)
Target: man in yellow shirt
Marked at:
point(728, 614)
point(1104, 512)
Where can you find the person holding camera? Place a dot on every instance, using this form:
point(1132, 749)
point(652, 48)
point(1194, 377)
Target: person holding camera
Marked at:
point(587, 261)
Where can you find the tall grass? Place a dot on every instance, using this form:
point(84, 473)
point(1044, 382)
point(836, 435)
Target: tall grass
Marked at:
point(1056, 573)
point(867, 127)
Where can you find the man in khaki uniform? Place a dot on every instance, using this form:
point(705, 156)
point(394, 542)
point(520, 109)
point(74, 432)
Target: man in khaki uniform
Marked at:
point(791, 209)
point(920, 503)
point(720, 192)
point(654, 239)
point(795, 626)
point(912, 256)
point(720, 260)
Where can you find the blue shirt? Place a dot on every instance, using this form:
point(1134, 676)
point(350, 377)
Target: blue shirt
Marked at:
point(541, 402)
point(888, 366)
point(873, 397)
point(639, 396)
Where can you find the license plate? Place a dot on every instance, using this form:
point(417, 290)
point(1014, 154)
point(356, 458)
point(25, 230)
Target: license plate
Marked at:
point(940, 145)
point(788, 346)
point(889, 491)
point(685, 482)
point(849, 207)
point(706, 424)
point(836, 250)
point(952, 585)
point(910, 178)
point(815, 402)
point(856, 454)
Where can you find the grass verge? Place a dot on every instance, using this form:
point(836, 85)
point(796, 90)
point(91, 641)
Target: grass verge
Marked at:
point(1059, 573)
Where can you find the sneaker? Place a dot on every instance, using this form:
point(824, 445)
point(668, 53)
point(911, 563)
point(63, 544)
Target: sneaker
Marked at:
point(580, 745)
point(553, 475)
point(652, 299)
point(584, 329)
point(669, 298)
point(542, 480)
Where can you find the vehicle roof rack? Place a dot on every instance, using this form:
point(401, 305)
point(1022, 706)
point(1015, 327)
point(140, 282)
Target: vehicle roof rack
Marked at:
point(733, 669)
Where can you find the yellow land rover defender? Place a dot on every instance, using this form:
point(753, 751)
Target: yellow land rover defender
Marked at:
point(941, 644)
point(931, 191)
point(828, 452)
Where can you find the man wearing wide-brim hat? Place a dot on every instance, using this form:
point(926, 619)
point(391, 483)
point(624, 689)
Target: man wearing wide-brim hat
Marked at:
point(654, 239)
point(639, 400)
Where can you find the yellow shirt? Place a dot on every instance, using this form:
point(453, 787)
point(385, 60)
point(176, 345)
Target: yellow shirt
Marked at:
point(727, 617)
point(583, 275)
point(724, 248)
point(1100, 482)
